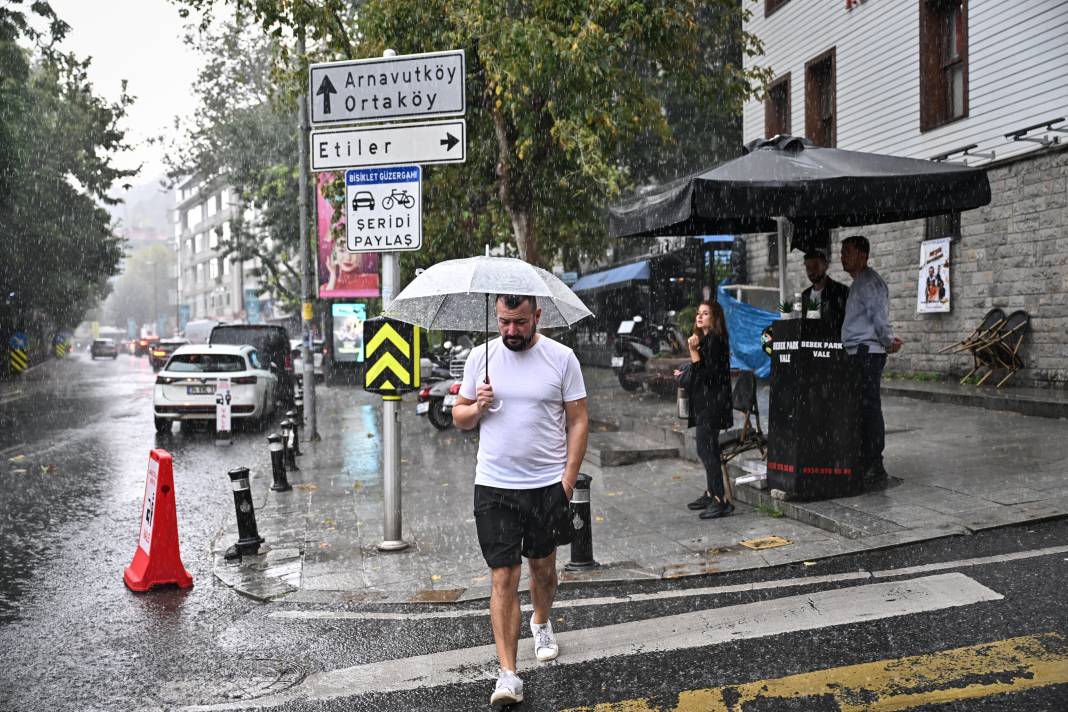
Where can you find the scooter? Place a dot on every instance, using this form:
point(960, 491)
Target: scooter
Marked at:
point(636, 343)
point(437, 397)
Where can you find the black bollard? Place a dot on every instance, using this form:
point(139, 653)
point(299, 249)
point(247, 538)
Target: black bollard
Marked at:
point(278, 467)
point(249, 538)
point(287, 445)
point(298, 405)
point(581, 527)
point(291, 416)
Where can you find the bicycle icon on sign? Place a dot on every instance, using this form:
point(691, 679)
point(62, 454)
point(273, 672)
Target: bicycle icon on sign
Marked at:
point(398, 197)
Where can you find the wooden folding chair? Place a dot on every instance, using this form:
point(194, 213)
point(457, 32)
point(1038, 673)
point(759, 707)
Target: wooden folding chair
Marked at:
point(1003, 351)
point(981, 337)
point(990, 323)
point(743, 398)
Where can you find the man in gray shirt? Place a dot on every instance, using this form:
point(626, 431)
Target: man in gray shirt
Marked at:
point(868, 338)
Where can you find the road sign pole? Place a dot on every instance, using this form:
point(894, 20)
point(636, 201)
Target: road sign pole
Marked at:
point(391, 474)
point(391, 425)
point(307, 276)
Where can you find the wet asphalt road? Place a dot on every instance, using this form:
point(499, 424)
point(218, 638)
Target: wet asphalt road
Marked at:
point(73, 452)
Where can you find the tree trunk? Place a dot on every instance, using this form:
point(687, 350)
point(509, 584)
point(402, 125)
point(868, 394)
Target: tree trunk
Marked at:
point(520, 207)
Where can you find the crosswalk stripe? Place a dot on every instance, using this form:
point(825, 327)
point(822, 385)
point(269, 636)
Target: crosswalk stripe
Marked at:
point(890, 685)
point(810, 611)
point(683, 592)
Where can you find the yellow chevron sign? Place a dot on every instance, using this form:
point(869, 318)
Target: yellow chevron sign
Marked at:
point(19, 360)
point(391, 356)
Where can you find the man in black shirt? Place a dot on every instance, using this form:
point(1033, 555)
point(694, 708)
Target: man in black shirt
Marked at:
point(829, 295)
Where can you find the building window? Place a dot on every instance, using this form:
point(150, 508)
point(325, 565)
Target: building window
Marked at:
point(198, 242)
point(777, 108)
point(947, 225)
point(943, 62)
point(771, 6)
point(213, 238)
point(820, 120)
point(213, 268)
point(226, 266)
point(773, 250)
point(200, 274)
point(211, 205)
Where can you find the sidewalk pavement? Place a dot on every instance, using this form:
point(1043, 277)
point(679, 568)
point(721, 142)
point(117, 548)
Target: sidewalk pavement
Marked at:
point(954, 470)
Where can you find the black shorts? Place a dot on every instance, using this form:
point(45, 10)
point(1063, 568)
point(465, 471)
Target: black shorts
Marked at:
point(511, 523)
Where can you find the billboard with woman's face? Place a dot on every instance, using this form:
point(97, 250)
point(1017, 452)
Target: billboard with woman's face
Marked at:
point(341, 273)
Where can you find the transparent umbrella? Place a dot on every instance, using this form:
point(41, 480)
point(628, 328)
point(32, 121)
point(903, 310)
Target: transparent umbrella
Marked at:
point(455, 295)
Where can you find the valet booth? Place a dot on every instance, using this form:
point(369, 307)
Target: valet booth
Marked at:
point(667, 276)
point(814, 416)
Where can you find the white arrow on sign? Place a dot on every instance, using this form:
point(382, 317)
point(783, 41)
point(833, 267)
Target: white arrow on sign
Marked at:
point(405, 87)
point(394, 144)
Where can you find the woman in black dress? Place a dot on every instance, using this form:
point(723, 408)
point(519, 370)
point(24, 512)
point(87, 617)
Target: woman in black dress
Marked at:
point(710, 402)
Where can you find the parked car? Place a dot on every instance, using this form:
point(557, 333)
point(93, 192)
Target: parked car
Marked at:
point(318, 353)
point(104, 347)
point(185, 388)
point(144, 344)
point(162, 350)
point(272, 343)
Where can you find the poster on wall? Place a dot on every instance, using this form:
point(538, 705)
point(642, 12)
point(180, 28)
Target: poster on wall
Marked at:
point(932, 289)
point(348, 331)
point(341, 273)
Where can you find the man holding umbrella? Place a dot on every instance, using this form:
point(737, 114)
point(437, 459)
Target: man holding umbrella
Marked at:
point(534, 427)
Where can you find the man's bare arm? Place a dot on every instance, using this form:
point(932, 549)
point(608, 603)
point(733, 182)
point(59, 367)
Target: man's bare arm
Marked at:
point(578, 428)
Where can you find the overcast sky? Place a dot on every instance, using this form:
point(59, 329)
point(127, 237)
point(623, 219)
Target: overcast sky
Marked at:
point(137, 40)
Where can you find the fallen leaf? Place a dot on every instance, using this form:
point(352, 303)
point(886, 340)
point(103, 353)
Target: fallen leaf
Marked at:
point(357, 485)
point(598, 518)
point(307, 487)
point(20, 471)
point(435, 577)
point(17, 458)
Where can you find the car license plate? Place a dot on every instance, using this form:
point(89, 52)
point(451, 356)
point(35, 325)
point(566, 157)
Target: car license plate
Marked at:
point(450, 401)
point(617, 362)
point(422, 408)
point(200, 390)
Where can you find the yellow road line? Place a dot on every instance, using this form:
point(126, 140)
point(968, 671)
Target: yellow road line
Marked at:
point(890, 685)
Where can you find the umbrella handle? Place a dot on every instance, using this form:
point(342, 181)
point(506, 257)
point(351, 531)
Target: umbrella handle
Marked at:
point(500, 405)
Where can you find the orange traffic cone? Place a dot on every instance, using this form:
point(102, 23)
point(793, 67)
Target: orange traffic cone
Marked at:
point(157, 559)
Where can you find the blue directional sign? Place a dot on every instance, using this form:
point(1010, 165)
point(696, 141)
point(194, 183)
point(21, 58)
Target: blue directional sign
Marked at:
point(19, 340)
point(384, 208)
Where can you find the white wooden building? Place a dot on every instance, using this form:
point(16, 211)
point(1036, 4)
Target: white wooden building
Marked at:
point(926, 79)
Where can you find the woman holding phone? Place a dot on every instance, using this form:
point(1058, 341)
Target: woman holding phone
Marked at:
point(710, 402)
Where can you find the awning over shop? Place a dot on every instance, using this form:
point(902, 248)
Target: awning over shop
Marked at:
point(722, 239)
point(615, 276)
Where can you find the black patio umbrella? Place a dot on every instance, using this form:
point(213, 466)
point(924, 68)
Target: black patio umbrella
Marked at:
point(813, 187)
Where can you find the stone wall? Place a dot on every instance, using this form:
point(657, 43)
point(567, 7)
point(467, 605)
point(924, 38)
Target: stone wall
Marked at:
point(1012, 254)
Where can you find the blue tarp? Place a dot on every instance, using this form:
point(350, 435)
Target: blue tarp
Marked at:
point(745, 323)
point(616, 275)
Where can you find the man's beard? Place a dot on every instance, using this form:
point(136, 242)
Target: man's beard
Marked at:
point(518, 343)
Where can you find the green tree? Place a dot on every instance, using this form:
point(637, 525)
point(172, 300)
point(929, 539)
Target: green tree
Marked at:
point(245, 134)
point(57, 144)
point(571, 104)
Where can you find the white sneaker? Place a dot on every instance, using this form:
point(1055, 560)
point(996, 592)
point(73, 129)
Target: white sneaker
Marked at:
point(509, 690)
point(545, 647)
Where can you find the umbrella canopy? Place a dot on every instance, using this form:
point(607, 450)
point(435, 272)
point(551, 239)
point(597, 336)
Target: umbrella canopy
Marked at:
point(454, 294)
point(811, 186)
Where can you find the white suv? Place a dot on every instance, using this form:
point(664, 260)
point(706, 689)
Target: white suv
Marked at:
point(185, 389)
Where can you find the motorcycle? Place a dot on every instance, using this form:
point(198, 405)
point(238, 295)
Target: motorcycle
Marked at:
point(636, 343)
point(438, 394)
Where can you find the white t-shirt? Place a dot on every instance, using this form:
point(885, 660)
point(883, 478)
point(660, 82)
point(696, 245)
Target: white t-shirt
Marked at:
point(524, 444)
